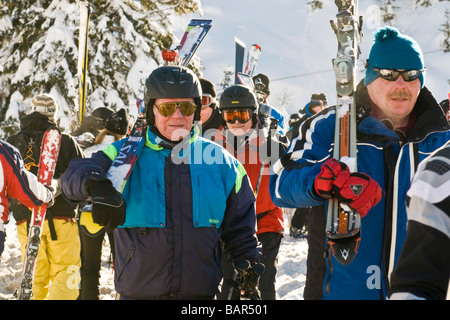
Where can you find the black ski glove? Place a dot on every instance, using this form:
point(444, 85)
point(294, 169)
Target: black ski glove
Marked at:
point(108, 205)
point(248, 277)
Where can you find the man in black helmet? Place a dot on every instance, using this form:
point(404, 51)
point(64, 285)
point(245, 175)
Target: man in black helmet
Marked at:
point(245, 137)
point(184, 195)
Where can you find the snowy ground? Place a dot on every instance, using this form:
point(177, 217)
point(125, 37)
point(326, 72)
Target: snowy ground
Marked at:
point(290, 279)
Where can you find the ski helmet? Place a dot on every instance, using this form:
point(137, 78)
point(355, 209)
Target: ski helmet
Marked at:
point(171, 82)
point(237, 97)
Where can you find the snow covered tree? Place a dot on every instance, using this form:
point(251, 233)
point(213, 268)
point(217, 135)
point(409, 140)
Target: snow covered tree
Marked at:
point(315, 5)
point(445, 44)
point(387, 9)
point(39, 41)
point(228, 77)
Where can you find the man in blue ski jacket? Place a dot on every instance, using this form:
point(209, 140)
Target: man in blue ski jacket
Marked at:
point(185, 193)
point(399, 123)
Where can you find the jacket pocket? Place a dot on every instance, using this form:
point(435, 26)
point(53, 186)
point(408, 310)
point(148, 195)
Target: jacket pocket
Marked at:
point(128, 258)
point(209, 203)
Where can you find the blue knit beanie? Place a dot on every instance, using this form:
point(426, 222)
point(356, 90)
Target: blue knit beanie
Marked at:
point(394, 50)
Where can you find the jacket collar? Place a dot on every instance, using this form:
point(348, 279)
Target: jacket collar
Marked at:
point(155, 142)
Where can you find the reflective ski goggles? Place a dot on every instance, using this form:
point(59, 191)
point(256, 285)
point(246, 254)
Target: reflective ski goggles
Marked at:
point(207, 100)
point(167, 109)
point(241, 115)
point(393, 74)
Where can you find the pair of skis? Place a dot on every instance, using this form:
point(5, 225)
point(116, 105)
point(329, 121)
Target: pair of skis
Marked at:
point(244, 75)
point(182, 54)
point(123, 164)
point(344, 224)
point(51, 142)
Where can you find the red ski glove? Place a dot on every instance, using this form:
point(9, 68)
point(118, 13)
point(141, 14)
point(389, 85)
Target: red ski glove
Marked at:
point(358, 190)
point(328, 173)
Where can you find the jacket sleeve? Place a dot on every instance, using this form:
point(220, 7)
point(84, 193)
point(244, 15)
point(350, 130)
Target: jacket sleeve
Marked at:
point(239, 224)
point(78, 171)
point(292, 181)
point(20, 184)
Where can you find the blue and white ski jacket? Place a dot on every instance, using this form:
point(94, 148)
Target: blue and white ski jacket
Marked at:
point(388, 160)
point(180, 202)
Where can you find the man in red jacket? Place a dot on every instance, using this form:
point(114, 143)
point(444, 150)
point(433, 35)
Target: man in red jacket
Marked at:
point(255, 147)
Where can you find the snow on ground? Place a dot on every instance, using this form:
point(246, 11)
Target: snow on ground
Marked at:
point(290, 283)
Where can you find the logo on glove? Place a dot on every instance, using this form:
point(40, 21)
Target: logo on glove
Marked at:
point(356, 188)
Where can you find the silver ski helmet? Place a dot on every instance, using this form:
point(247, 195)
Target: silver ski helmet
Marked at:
point(171, 82)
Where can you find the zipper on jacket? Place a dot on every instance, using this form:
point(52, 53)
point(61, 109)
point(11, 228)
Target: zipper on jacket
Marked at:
point(130, 255)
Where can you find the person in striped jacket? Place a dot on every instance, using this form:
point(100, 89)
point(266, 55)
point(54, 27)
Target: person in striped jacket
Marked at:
point(423, 268)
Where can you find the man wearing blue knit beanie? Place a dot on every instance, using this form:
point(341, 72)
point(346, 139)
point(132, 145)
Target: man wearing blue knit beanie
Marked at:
point(399, 123)
point(393, 50)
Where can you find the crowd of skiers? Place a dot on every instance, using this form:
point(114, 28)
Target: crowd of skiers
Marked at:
point(201, 215)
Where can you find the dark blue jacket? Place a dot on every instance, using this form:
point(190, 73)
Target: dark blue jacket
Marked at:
point(383, 156)
point(180, 202)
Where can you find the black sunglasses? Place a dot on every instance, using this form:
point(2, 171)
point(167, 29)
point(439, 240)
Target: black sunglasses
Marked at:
point(393, 74)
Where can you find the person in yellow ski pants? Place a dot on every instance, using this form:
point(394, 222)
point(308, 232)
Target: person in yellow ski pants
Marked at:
point(58, 262)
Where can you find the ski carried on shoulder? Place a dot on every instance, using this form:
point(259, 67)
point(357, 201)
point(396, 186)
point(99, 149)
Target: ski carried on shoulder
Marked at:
point(245, 77)
point(85, 13)
point(51, 142)
point(238, 59)
point(196, 31)
point(120, 169)
point(252, 59)
point(344, 224)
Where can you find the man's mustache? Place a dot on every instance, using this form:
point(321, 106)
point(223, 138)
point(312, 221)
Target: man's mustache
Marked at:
point(400, 94)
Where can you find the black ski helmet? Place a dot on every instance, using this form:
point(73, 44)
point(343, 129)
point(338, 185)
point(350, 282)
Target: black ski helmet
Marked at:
point(238, 96)
point(171, 82)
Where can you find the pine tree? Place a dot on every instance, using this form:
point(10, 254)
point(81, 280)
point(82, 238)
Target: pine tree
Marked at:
point(387, 9)
point(424, 3)
point(315, 5)
point(39, 41)
point(445, 44)
point(228, 77)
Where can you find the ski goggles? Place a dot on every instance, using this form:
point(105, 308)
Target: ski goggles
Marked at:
point(207, 100)
point(393, 74)
point(167, 109)
point(241, 115)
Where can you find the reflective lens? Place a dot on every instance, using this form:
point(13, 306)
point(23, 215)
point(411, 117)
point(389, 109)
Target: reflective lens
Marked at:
point(241, 115)
point(207, 99)
point(167, 109)
point(393, 74)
